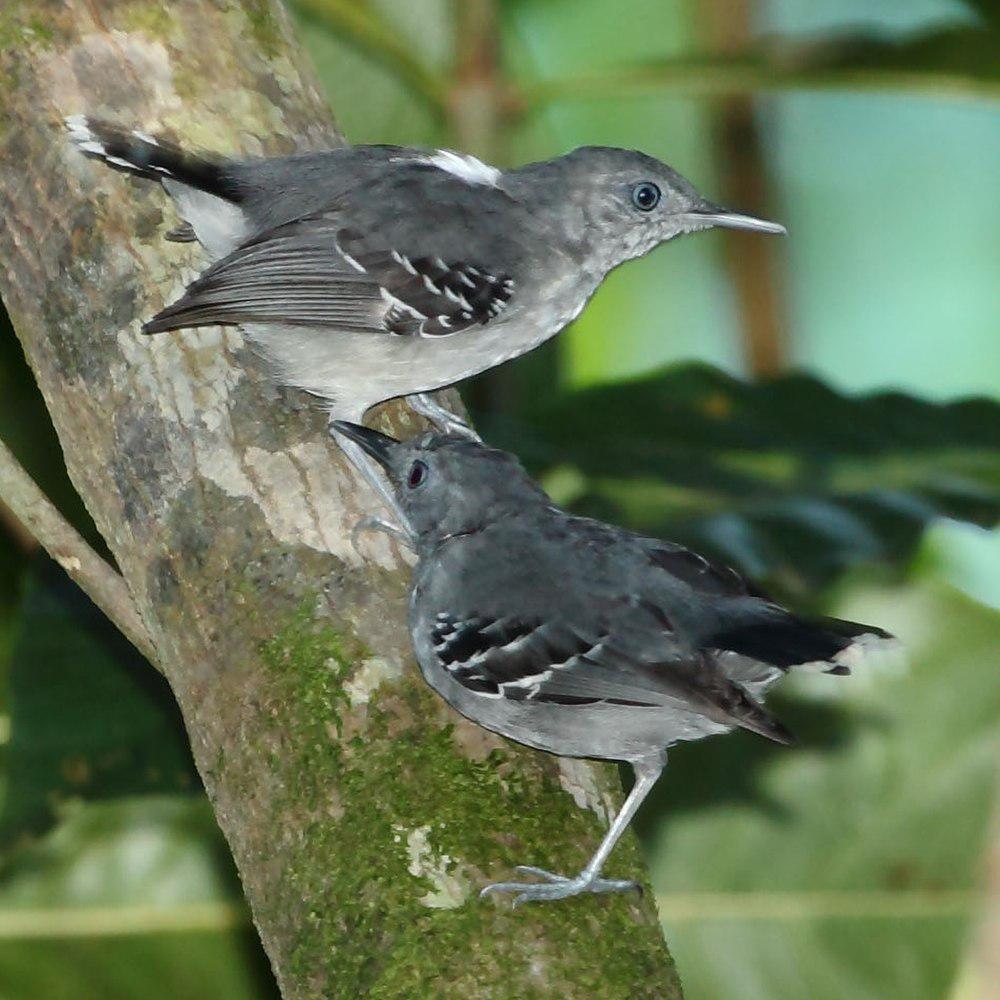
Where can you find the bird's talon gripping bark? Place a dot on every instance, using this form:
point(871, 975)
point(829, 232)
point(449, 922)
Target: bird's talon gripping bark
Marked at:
point(555, 886)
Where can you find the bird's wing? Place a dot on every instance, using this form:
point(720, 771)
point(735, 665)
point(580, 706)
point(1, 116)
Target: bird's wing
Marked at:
point(746, 622)
point(326, 270)
point(705, 577)
point(555, 663)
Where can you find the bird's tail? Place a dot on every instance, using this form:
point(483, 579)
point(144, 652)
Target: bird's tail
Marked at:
point(136, 152)
point(829, 645)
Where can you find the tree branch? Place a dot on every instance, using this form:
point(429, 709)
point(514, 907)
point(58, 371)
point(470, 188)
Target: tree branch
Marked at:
point(105, 587)
point(950, 63)
point(755, 267)
point(362, 813)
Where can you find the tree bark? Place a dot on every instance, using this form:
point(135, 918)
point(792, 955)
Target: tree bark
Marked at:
point(362, 813)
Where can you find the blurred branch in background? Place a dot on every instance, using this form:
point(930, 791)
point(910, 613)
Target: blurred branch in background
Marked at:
point(743, 174)
point(476, 97)
point(955, 62)
point(950, 61)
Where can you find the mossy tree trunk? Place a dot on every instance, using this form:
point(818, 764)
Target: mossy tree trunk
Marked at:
point(363, 815)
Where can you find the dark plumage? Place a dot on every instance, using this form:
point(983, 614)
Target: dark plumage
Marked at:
point(580, 638)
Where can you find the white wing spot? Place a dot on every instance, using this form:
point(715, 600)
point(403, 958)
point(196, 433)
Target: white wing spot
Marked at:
point(468, 168)
point(430, 286)
point(145, 137)
point(401, 258)
point(400, 304)
point(457, 298)
point(350, 260)
point(117, 161)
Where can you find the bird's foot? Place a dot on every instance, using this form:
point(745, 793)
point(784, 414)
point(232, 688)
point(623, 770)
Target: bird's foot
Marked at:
point(556, 886)
point(442, 419)
point(373, 523)
point(458, 428)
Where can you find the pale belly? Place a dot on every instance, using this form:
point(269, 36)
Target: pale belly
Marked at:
point(354, 371)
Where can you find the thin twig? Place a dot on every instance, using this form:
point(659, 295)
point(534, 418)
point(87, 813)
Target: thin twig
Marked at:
point(361, 27)
point(105, 587)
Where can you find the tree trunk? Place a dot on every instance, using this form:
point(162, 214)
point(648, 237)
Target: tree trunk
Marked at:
point(362, 813)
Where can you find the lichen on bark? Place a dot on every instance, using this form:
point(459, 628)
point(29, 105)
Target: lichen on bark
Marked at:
point(363, 815)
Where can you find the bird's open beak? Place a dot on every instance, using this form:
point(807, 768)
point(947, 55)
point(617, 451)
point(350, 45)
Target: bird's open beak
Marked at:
point(716, 215)
point(379, 446)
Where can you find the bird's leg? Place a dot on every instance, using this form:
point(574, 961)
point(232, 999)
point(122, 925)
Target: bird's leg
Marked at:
point(444, 420)
point(399, 528)
point(554, 886)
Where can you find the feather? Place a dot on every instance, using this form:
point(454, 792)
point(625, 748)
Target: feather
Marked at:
point(314, 273)
point(551, 662)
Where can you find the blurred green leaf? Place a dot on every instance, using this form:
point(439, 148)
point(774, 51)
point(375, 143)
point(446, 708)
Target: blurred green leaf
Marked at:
point(135, 898)
point(847, 866)
point(789, 480)
point(362, 27)
point(89, 717)
point(951, 61)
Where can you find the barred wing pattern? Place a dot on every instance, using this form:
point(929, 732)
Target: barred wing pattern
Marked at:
point(315, 272)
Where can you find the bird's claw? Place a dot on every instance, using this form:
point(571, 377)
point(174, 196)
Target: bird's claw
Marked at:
point(459, 428)
point(373, 523)
point(441, 418)
point(555, 886)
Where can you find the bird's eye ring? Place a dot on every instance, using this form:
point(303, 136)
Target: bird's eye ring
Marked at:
point(645, 196)
point(418, 474)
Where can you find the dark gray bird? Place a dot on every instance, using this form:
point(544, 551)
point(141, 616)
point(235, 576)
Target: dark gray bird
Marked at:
point(370, 272)
point(580, 638)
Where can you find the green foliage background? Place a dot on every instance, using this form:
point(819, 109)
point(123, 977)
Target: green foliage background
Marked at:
point(865, 484)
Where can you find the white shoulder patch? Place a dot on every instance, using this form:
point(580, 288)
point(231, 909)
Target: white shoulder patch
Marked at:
point(468, 168)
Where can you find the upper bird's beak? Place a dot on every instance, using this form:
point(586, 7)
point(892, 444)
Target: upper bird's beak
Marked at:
point(716, 215)
point(379, 446)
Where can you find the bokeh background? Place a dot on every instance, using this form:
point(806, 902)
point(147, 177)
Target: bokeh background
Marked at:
point(819, 410)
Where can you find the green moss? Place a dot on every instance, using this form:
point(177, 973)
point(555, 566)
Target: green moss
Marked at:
point(153, 19)
point(364, 795)
point(19, 28)
point(313, 658)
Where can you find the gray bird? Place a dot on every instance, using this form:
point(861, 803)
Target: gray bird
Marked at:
point(370, 272)
point(580, 638)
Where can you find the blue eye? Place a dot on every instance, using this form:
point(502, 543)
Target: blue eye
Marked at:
point(645, 196)
point(418, 473)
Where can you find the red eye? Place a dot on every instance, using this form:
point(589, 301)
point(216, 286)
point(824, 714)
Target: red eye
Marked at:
point(418, 473)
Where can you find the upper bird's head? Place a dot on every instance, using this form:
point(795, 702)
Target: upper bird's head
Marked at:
point(620, 203)
point(447, 485)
